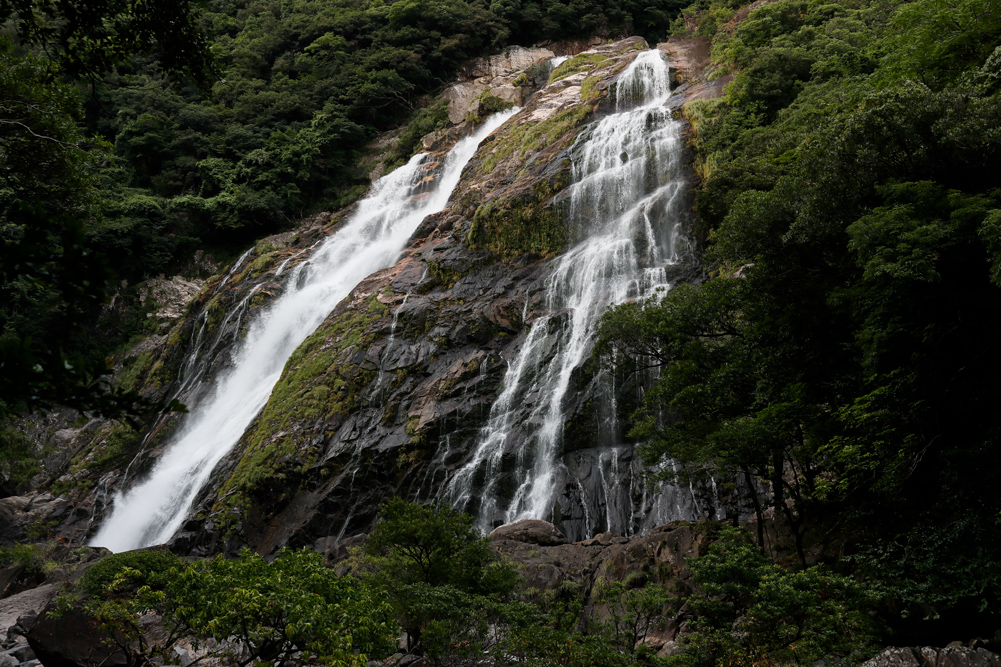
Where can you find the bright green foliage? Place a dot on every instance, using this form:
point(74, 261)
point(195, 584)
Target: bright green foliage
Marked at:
point(435, 570)
point(433, 546)
point(292, 604)
point(749, 610)
point(282, 610)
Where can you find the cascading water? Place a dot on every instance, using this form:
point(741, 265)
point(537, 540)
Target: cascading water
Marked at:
point(625, 212)
point(152, 511)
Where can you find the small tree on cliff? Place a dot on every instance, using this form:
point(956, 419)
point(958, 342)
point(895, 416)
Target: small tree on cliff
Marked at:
point(434, 568)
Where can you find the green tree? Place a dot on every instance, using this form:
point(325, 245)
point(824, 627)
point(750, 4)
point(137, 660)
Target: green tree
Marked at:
point(749, 610)
point(634, 611)
point(433, 566)
point(290, 607)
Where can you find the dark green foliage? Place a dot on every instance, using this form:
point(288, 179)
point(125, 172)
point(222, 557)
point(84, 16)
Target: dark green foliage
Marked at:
point(17, 462)
point(304, 89)
point(852, 366)
point(633, 611)
point(435, 569)
point(425, 121)
point(89, 37)
point(749, 610)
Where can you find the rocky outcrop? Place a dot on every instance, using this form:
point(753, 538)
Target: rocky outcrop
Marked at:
point(509, 77)
point(73, 639)
point(689, 62)
point(927, 656)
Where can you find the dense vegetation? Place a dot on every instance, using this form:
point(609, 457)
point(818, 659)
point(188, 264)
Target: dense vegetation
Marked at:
point(426, 572)
point(843, 353)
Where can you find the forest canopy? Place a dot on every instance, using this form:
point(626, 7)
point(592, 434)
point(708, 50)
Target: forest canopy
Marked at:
point(842, 353)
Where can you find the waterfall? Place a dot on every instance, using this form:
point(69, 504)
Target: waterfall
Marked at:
point(625, 215)
point(152, 510)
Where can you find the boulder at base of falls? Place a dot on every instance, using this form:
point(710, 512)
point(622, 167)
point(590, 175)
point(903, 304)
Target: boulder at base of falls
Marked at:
point(72, 639)
point(530, 531)
point(927, 656)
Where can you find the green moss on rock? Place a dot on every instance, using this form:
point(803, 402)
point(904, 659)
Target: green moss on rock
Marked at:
point(319, 385)
point(578, 63)
point(524, 224)
point(520, 139)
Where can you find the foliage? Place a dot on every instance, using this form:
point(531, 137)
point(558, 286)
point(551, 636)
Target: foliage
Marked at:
point(748, 609)
point(842, 354)
point(435, 569)
point(279, 609)
point(89, 38)
point(120, 590)
point(931, 571)
point(33, 558)
point(548, 633)
point(275, 610)
point(633, 611)
point(17, 461)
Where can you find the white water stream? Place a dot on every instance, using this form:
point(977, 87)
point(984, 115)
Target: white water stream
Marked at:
point(152, 510)
point(623, 213)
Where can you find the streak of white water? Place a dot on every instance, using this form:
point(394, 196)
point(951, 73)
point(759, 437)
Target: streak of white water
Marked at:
point(152, 511)
point(622, 215)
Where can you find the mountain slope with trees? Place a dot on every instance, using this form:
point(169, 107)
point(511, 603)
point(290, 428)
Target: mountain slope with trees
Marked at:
point(843, 356)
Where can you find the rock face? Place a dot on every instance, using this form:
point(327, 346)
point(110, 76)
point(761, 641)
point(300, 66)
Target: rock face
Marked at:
point(951, 656)
point(409, 364)
point(510, 77)
point(428, 343)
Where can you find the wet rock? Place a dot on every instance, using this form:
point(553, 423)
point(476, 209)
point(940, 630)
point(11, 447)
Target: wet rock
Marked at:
point(951, 656)
point(7, 661)
point(529, 531)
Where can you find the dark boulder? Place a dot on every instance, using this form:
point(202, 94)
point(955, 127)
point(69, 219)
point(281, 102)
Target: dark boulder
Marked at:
point(73, 639)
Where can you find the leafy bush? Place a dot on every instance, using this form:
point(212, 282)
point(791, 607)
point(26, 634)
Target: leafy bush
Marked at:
point(152, 568)
point(435, 569)
point(278, 610)
point(750, 610)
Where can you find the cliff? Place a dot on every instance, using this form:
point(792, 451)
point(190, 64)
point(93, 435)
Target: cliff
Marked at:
point(388, 396)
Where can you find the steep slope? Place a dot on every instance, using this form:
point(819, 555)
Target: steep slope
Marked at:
point(390, 393)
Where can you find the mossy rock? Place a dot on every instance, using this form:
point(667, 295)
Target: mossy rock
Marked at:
point(530, 223)
point(319, 386)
